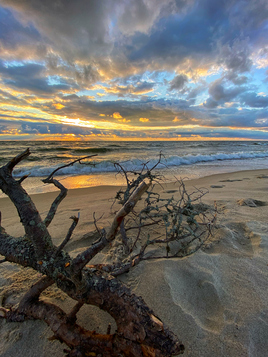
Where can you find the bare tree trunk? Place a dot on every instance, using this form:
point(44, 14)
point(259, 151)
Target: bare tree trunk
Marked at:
point(139, 331)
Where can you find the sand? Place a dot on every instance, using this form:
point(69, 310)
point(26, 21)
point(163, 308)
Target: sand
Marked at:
point(216, 300)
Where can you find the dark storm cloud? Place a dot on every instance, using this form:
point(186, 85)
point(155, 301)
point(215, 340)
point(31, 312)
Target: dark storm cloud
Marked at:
point(145, 32)
point(30, 77)
point(70, 26)
point(173, 40)
point(13, 33)
point(79, 29)
point(248, 15)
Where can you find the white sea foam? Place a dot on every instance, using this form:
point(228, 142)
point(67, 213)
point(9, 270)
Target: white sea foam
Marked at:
point(135, 164)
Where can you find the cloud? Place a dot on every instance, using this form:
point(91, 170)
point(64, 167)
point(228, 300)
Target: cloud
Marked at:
point(220, 93)
point(144, 120)
point(81, 26)
point(107, 35)
point(236, 57)
point(30, 77)
point(86, 60)
point(117, 115)
point(124, 88)
point(17, 40)
point(236, 79)
point(254, 101)
point(178, 82)
point(58, 106)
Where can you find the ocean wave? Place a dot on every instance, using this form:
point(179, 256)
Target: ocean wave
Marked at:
point(92, 150)
point(115, 146)
point(60, 148)
point(194, 159)
point(136, 164)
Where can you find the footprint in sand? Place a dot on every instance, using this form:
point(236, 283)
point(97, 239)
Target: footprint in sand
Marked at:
point(170, 191)
point(258, 335)
point(196, 295)
point(230, 180)
point(262, 176)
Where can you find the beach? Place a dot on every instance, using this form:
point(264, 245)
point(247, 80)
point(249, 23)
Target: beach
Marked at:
point(215, 300)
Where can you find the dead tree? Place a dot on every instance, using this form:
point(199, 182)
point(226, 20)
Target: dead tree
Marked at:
point(139, 331)
point(164, 227)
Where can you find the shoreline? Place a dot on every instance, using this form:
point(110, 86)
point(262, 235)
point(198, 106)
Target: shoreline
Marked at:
point(106, 187)
point(88, 200)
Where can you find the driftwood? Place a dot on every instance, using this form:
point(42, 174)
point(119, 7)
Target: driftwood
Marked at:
point(139, 331)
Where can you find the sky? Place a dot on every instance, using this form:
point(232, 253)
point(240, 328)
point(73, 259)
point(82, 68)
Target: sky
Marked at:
point(133, 70)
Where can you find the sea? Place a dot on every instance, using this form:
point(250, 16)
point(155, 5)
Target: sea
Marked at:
point(179, 160)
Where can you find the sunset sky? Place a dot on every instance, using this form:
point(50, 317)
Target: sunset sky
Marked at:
point(133, 69)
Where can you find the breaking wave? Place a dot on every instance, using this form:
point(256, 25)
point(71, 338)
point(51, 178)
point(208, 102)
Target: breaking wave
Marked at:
point(136, 164)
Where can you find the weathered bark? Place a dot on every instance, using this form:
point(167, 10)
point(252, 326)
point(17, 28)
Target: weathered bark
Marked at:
point(56, 202)
point(139, 331)
point(34, 227)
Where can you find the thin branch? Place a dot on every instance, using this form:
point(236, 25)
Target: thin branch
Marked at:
point(22, 179)
point(101, 232)
point(67, 165)
point(143, 225)
point(82, 259)
point(136, 240)
point(68, 236)
point(35, 291)
point(56, 202)
point(72, 314)
point(63, 190)
point(126, 209)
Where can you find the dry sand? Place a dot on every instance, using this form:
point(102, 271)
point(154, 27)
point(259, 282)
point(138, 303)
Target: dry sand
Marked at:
point(216, 300)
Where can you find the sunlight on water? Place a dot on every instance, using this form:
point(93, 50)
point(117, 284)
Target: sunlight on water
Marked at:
point(188, 160)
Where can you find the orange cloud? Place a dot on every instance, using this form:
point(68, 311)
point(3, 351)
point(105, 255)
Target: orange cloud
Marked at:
point(176, 119)
point(58, 106)
point(102, 115)
point(117, 115)
point(144, 120)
